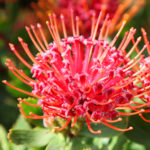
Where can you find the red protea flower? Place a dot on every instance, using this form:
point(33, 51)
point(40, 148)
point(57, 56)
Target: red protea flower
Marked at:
point(89, 9)
point(76, 77)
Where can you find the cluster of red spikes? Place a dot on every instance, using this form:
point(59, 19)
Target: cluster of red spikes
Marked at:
point(76, 77)
point(118, 11)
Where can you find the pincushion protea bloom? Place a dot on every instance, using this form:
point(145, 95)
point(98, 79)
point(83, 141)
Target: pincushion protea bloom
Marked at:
point(76, 77)
point(118, 10)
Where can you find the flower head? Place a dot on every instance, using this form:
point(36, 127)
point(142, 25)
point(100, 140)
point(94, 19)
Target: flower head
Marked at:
point(76, 77)
point(89, 9)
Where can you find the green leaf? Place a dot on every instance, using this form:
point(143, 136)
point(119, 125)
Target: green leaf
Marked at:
point(6, 145)
point(56, 143)
point(79, 143)
point(3, 139)
point(30, 138)
point(141, 131)
point(36, 110)
point(21, 123)
point(18, 147)
point(134, 146)
point(101, 143)
point(106, 131)
point(119, 145)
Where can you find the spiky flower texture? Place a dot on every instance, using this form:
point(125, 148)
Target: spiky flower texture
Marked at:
point(89, 78)
point(118, 10)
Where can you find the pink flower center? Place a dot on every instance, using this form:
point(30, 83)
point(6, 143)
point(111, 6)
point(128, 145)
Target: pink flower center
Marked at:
point(83, 84)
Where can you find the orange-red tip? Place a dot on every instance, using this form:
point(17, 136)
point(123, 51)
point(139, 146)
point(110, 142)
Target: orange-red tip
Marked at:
point(72, 125)
point(25, 44)
point(19, 105)
point(130, 128)
point(20, 39)
point(10, 68)
point(144, 46)
point(143, 31)
point(38, 25)
point(11, 45)
point(7, 59)
point(94, 13)
point(99, 132)
point(107, 16)
point(38, 54)
point(142, 110)
point(100, 13)
point(140, 114)
point(31, 113)
point(54, 15)
point(119, 119)
point(4, 81)
point(32, 26)
point(56, 128)
point(77, 18)
point(139, 38)
point(131, 102)
point(133, 29)
point(124, 21)
point(47, 22)
point(49, 14)
point(27, 28)
point(6, 64)
point(61, 16)
point(19, 99)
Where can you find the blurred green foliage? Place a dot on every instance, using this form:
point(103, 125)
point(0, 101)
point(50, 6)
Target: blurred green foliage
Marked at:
point(13, 18)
